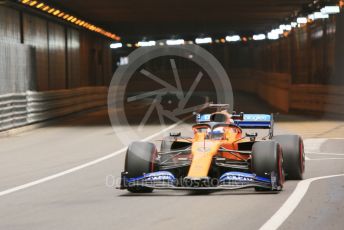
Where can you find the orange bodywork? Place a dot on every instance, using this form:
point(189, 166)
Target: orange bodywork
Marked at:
point(203, 150)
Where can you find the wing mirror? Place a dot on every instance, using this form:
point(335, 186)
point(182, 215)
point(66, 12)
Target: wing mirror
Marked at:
point(252, 136)
point(175, 134)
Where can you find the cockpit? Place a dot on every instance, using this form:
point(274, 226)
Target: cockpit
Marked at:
point(215, 131)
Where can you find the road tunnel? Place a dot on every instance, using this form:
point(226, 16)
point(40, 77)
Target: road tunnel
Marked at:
point(81, 80)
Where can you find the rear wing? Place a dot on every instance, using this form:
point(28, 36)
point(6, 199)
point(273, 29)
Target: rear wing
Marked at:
point(257, 121)
point(245, 121)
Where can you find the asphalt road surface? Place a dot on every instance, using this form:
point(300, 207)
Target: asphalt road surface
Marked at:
point(62, 177)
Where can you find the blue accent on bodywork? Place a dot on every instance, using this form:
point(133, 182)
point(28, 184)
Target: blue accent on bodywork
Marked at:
point(255, 121)
point(257, 117)
point(154, 176)
point(201, 118)
point(241, 176)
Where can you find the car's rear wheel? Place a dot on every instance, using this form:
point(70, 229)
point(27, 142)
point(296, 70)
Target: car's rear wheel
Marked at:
point(139, 160)
point(294, 155)
point(267, 158)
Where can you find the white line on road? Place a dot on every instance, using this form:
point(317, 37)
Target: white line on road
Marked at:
point(77, 168)
point(314, 144)
point(335, 154)
point(291, 203)
point(323, 159)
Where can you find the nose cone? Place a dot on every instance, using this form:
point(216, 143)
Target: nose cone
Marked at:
point(202, 152)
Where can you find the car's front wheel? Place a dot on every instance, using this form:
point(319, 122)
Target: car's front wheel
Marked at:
point(139, 160)
point(267, 158)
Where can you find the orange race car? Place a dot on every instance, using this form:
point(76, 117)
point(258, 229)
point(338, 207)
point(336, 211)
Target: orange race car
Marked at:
point(219, 156)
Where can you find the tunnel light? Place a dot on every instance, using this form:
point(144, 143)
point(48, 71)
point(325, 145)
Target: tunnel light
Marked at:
point(234, 38)
point(116, 45)
point(301, 20)
point(258, 37)
point(175, 42)
point(282, 27)
point(330, 10)
point(293, 24)
point(277, 31)
point(146, 43)
point(33, 3)
point(56, 12)
point(288, 27)
point(285, 27)
point(203, 40)
point(40, 5)
point(273, 36)
point(311, 17)
point(318, 15)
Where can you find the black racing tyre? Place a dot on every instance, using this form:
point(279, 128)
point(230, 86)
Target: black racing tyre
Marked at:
point(267, 157)
point(293, 155)
point(139, 160)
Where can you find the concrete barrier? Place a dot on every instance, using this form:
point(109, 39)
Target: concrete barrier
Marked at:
point(274, 89)
point(21, 109)
point(317, 98)
point(277, 90)
point(271, 87)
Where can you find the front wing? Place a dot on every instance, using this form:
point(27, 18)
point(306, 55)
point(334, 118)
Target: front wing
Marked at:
point(228, 181)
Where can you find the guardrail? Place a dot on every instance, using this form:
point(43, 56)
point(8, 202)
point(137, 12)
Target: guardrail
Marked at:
point(21, 109)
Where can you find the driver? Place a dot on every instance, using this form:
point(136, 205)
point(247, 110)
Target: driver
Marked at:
point(217, 133)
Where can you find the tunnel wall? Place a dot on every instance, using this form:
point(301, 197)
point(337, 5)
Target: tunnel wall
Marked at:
point(310, 54)
point(63, 57)
point(303, 71)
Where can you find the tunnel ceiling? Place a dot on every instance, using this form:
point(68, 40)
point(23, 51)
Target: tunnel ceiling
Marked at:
point(137, 19)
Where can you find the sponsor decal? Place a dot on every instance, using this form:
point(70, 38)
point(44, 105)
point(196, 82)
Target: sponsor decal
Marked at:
point(238, 178)
point(242, 177)
point(155, 176)
point(257, 117)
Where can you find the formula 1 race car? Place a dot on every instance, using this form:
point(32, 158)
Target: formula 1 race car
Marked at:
point(218, 157)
